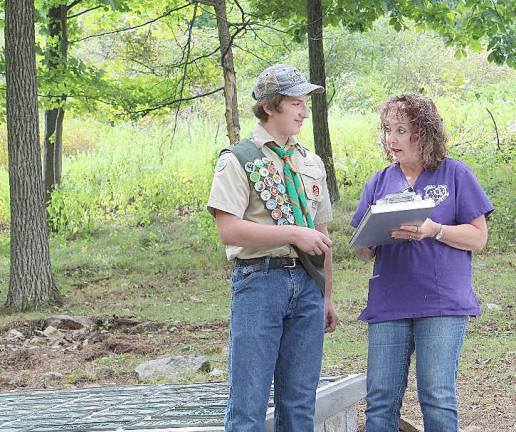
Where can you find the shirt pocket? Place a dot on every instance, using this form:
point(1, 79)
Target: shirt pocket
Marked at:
point(312, 177)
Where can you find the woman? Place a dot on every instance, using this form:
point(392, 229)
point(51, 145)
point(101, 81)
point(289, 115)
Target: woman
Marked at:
point(420, 295)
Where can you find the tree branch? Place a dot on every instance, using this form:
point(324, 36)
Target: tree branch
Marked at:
point(167, 13)
point(183, 77)
point(496, 130)
point(144, 112)
point(83, 12)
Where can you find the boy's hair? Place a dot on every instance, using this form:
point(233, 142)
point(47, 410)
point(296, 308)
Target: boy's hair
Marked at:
point(424, 120)
point(274, 102)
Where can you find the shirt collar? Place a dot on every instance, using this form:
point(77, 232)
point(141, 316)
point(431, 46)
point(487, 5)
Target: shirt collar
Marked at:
point(262, 137)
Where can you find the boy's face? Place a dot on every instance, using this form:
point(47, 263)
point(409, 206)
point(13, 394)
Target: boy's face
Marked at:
point(289, 117)
point(400, 139)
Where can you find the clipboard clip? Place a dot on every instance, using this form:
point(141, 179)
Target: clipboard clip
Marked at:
point(405, 196)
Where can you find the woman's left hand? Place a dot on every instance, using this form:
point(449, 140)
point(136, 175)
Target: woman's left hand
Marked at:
point(429, 228)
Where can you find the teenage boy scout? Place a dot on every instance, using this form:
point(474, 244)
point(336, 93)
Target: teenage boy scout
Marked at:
point(271, 204)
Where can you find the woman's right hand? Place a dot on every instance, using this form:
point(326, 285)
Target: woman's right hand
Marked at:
point(429, 228)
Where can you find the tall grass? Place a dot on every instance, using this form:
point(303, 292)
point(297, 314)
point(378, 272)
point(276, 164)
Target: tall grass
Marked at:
point(134, 173)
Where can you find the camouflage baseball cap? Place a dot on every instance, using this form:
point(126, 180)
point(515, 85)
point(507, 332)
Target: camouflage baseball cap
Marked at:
point(285, 80)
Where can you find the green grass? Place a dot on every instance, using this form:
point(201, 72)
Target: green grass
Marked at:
point(168, 271)
point(161, 272)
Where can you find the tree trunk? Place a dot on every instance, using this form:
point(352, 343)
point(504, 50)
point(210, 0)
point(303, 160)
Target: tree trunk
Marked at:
point(31, 283)
point(55, 60)
point(230, 89)
point(319, 103)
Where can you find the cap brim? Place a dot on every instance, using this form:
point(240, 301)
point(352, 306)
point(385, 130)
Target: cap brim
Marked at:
point(303, 89)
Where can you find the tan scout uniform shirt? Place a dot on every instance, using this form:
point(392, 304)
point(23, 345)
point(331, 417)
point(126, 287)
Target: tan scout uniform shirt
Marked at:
point(231, 193)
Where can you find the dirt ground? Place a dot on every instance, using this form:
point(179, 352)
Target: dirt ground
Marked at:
point(39, 357)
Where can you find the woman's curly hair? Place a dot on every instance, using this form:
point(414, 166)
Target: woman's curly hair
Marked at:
point(424, 120)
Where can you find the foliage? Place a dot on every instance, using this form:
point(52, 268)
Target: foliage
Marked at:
point(462, 23)
point(133, 176)
point(135, 172)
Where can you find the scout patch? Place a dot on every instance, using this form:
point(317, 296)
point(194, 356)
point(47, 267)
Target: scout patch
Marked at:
point(315, 190)
point(276, 214)
point(271, 204)
point(259, 186)
point(221, 164)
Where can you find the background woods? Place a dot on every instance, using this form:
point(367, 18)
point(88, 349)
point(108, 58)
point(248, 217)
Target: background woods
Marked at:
point(133, 60)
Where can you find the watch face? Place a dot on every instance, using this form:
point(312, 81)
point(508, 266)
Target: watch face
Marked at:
point(440, 233)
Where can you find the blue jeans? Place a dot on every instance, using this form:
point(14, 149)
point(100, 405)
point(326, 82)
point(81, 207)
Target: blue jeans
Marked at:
point(437, 342)
point(277, 329)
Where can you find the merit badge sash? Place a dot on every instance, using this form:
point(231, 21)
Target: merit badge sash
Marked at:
point(265, 179)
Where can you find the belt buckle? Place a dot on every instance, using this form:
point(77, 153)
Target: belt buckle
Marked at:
point(293, 265)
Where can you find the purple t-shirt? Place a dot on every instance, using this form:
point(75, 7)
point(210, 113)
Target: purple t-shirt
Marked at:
point(426, 277)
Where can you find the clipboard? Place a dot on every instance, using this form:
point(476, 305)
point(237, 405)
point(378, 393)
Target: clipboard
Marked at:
point(405, 208)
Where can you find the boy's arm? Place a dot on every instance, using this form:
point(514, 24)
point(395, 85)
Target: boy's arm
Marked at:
point(330, 315)
point(238, 232)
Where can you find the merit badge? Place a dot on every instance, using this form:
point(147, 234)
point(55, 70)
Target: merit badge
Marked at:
point(263, 172)
point(249, 167)
point(258, 163)
point(280, 200)
point(315, 190)
point(286, 209)
point(268, 181)
point(277, 179)
point(272, 169)
point(255, 176)
point(290, 219)
point(259, 186)
point(276, 214)
point(274, 191)
point(221, 164)
point(281, 221)
point(281, 188)
point(271, 204)
point(265, 195)
point(266, 160)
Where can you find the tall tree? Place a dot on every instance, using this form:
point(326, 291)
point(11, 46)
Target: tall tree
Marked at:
point(31, 283)
point(228, 69)
point(55, 61)
point(321, 130)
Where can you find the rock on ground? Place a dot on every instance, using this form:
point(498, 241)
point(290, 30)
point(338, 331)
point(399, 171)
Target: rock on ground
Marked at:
point(172, 366)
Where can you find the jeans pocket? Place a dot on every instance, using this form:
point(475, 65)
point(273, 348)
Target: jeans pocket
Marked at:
point(242, 275)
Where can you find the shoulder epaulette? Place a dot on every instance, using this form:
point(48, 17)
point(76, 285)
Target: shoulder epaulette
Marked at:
point(227, 150)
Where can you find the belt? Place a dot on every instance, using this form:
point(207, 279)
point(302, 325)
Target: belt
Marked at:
point(274, 262)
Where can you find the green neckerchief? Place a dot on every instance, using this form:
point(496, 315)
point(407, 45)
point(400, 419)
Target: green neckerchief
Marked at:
point(295, 188)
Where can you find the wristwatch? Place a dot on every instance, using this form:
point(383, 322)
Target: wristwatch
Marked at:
point(440, 233)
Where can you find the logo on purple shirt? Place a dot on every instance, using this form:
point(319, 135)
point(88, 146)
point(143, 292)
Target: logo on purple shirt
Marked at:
point(437, 192)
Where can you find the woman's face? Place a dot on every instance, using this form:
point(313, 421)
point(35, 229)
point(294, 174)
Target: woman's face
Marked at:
point(400, 140)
